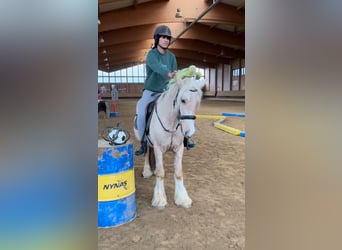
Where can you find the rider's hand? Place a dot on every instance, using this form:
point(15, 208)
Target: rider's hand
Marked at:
point(172, 74)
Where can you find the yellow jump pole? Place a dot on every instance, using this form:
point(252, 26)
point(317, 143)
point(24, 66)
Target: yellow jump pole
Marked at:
point(210, 116)
point(225, 128)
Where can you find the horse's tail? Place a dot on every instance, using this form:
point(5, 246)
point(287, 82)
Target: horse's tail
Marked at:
point(151, 159)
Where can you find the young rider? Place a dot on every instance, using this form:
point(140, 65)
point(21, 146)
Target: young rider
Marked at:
point(161, 65)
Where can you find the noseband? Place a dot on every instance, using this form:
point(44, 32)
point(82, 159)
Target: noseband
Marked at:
point(185, 117)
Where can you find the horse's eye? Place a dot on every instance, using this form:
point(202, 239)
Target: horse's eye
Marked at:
point(183, 101)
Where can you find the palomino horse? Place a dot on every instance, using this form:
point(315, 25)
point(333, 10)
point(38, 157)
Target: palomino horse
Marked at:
point(171, 120)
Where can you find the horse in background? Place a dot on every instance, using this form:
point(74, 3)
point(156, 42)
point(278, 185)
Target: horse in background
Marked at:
point(101, 105)
point(172, 119)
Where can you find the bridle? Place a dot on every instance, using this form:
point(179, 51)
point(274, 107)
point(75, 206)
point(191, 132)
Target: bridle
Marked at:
point(179, 115)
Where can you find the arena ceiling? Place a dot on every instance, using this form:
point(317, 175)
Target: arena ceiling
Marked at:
point(205, 33)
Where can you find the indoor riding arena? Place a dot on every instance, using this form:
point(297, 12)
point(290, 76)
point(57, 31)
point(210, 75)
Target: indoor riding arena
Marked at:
point(209, 35)
point(242, 148)
point(214, 174)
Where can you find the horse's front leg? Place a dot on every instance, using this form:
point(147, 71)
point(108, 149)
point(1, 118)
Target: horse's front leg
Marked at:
point(147, 172)
point(182, 198)
point(159, 197)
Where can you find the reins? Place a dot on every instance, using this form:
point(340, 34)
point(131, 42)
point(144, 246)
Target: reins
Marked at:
point(161, 123)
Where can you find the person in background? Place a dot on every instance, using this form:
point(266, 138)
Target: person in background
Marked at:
point(103, 89)
point(99, 96)
point(161, 66)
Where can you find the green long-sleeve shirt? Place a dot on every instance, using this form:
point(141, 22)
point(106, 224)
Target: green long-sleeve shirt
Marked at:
point(157, 68)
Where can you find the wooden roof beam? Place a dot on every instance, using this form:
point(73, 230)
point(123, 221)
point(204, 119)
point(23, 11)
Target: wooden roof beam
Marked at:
point(156, 12)
point(126, 47)
point(215, 36)
point(206, 47)
point(198, 31)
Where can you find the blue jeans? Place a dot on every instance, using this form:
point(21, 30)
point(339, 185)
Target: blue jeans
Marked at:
point(146, 98)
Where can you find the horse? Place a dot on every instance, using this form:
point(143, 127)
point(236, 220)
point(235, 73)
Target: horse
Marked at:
point(172, 118)
point(101, 107)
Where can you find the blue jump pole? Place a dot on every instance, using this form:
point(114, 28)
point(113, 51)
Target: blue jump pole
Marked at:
point(233, 114)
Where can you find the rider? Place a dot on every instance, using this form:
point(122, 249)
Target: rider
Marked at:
point(161, 66)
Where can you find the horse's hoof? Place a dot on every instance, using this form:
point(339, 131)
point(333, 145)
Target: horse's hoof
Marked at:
point(159, 205)
point(184, 204)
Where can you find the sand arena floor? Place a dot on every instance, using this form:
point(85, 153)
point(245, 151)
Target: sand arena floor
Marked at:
point(214, 175)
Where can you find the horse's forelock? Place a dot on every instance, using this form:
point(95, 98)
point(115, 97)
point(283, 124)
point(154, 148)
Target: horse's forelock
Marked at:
point(189, 84)
point(194, 85)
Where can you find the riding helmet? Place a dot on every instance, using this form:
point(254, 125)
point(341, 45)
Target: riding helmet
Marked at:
point(162, 30)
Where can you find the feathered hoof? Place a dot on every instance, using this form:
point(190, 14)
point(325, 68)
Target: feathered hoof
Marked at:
point(160, 204)
point(159, 207)
point(186, 203)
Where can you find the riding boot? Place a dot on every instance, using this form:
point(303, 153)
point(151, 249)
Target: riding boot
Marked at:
point(142, 150)
point(189, 144)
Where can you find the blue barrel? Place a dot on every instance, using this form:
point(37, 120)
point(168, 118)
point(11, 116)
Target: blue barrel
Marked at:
point(116, 184)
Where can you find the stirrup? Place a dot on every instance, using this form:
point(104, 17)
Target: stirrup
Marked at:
point(189, 144)
point(142, 150)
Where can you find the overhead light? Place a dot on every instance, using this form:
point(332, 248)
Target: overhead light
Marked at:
point(101, 40)
point(104, 51)
point(107, 64)
point(106, 59)
point(178, 13)
point(98, 21)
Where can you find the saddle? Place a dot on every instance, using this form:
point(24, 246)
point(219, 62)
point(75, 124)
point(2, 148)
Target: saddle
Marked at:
point(149, 111)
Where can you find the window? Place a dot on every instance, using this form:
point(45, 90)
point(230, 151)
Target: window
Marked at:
point(243, 71)
point(134, 74)
point(235, 72)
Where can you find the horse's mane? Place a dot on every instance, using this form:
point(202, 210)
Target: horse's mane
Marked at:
point(185, 86)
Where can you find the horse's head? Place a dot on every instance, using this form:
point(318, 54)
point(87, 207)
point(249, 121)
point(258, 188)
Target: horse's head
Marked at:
point(188, 101)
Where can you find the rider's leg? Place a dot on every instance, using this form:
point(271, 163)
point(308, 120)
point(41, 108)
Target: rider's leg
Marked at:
point(146, 98)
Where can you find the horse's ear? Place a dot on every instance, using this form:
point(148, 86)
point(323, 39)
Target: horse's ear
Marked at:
point(204, 88)
point(202, 84)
